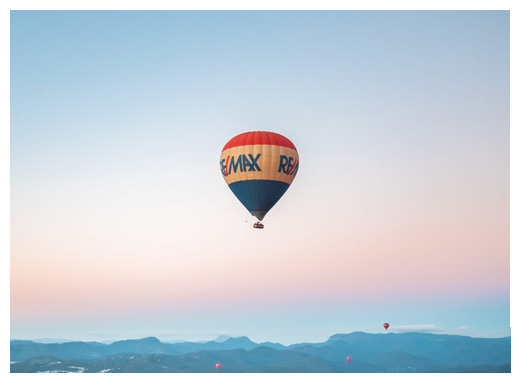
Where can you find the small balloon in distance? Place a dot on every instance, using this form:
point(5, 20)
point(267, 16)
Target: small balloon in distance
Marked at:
point(217, 366)
point(348, 358)
point(386, 325)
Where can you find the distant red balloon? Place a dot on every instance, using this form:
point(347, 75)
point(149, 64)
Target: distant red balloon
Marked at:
point(386, 325)
point(348, 358)
point(218, 366)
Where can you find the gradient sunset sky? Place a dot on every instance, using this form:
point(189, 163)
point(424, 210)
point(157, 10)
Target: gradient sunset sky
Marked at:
point(122, 226)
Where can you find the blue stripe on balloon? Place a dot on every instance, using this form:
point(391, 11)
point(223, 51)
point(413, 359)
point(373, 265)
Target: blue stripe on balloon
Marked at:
point(259, 195)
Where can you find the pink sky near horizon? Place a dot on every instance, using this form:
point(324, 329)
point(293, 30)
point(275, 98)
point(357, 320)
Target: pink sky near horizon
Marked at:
point(67, 273)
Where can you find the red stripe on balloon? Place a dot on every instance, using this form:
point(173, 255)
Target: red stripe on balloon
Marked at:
point(292, 167)
point(259, 138)
point(227, 160)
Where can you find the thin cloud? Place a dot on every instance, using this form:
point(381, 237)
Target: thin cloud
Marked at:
point(430, 328)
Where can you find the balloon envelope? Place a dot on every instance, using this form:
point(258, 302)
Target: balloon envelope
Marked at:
point(259, 167)
point(386, 325)
point(218, 366)
point(348, 358)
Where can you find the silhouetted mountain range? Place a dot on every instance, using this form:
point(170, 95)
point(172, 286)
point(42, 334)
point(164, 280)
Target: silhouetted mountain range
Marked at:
point(389, 352)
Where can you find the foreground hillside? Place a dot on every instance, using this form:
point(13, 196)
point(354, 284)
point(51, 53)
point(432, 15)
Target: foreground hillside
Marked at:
point(409, 352)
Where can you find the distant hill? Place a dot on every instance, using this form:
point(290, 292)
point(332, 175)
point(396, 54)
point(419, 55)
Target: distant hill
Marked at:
point(389, 352)
point(439, 349)
point(52, 340)
point(221, 338)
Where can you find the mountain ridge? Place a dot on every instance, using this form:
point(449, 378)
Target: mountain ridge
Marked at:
point(385, 352)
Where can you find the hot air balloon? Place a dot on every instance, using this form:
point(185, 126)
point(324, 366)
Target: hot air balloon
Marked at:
point(386, 325)
point(218, 366)
point(259, 167)
point(348, 358)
